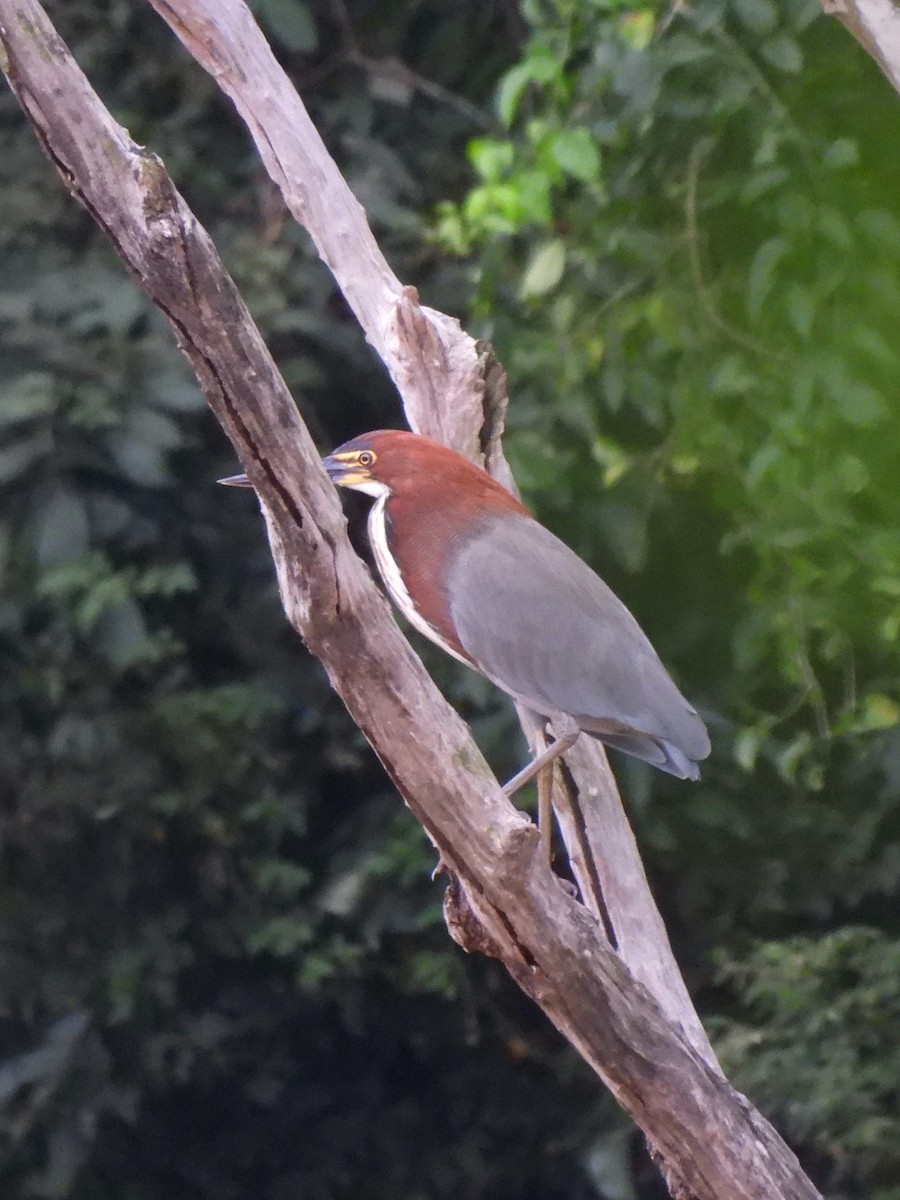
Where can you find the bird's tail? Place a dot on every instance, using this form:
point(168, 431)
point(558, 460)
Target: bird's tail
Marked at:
point(656, 751)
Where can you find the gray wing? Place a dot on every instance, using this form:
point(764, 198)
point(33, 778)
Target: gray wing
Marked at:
point(545, 628)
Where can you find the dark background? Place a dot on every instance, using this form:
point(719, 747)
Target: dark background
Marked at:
point(223, 970)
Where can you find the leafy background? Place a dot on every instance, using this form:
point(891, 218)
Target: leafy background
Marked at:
point(223, 972)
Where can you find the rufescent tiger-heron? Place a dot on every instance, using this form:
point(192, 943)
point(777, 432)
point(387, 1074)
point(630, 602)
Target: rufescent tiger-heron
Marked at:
point(470, 568)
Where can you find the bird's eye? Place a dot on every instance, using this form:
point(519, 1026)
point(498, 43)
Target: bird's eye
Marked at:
point(365, 458)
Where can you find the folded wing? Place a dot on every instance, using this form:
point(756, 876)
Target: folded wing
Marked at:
point(545, 628)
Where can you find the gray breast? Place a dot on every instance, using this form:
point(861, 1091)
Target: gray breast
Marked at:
point(545, 628)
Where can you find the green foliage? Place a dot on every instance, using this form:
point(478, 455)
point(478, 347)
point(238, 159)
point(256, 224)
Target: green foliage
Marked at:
point(710, 309)
point(820, 1047)
point(289, 22)
point(697, 319)
point(205, 891)
point(223, 969)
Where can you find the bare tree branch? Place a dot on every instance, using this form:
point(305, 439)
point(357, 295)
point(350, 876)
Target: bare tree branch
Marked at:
point(876, 26)
point(435, 365)
point(441, 376)
point(505, 901)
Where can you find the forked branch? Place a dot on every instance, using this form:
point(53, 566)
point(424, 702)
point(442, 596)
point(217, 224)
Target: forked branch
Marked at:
point(712, 1143)
point(876, 26)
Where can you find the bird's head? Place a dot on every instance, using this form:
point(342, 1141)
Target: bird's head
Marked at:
point(392, 462)
point(376, 463)
point(371, 463)
point(413, 470)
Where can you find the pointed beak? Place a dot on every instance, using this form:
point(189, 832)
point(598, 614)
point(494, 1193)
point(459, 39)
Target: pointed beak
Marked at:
point(334, 468)
point(344, 474)
point(338, 472)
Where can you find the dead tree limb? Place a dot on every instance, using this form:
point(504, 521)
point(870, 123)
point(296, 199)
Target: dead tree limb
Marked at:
point(876, 26)
point(440, 373)
point(712, 1143)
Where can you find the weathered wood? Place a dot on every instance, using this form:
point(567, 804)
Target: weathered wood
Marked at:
point(436, 366)
point(876, 26)
point(713, 1144)
point(451, 391)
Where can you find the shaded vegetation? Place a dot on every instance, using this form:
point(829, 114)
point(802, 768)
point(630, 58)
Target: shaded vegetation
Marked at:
point(223, 971)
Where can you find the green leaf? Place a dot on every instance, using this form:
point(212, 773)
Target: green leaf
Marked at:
point(761, 276)
point(141, 463)
point(154, 428)
point(291, 22)
point(17, 459)
point(761, 463)
point(790, 758)
point(843, 152)
point(120, 634)
point(801, 308)
point(625, 530)
point(637, 28)
point(510, 91)
point(762, 182)
point(882, 229)
point(490, 157)
point(859, 404)
point(853, 474)
point(169, 580)
point(26, 397)
point(282, 936)
point(746, 748)
point(576, 152)
point(835, 226)
point(880, 712)
point(175, 391)
point(540, 67)
point(113, 304)
point(60, 532)
point(783, 53)
point(732, 377)
point(759, 16)
point(279, 877)
point(534, 197)
point(545, 269)
point(800, 14)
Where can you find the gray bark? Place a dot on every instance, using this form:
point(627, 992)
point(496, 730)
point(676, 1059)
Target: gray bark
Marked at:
point(504, 900)
point(876, 26)
point(452, 391)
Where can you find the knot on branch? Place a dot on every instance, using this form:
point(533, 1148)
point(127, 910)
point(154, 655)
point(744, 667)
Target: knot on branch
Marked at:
point(465, 926)
point(495, 401)
point(437, 370)
point(413, 333)
point(518, 854)
point(169, 225)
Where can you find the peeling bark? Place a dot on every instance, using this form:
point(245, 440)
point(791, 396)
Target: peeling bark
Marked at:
point(876, 26)
point(504, 901)
point(452, 390)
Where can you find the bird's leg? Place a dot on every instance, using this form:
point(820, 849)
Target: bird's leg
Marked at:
point(545, 809)
point(565, 732)
point(564, 741)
